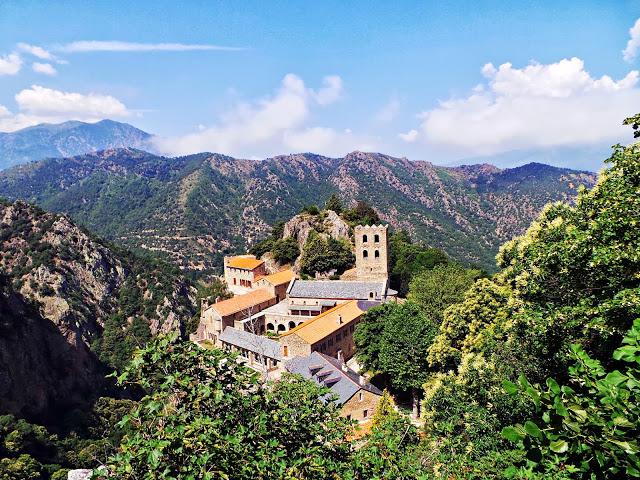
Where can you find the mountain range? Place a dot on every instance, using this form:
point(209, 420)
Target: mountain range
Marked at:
point(196, 208)
point(67, 139)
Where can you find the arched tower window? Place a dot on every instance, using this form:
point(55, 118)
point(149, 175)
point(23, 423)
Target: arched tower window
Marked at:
point(376, 238)
point(365, 254)
point(376, 254)
point(364, 239)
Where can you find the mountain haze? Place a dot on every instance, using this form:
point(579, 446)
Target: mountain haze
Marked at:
point(67, 139)
point(197, 208)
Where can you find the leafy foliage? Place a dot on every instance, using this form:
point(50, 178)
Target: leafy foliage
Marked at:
point(207, 416)
point(361, 214)
point(436, 289)
point(407, 259)
point(285, 250)
point(591, 428)
point(334, 203)
point(321, 254)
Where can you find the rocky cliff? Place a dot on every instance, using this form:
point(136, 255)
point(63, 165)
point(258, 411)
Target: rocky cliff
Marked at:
point(62, 291)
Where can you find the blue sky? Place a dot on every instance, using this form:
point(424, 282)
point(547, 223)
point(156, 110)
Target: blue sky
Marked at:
point(405, 78)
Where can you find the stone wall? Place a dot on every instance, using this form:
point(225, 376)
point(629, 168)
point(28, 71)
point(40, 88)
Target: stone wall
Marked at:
point(363, 401)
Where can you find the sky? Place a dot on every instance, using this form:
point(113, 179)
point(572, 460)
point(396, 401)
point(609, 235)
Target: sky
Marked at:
point(448, 82)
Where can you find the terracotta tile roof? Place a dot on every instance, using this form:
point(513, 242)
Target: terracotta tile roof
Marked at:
point(323, 325)
point(246, 263)
point(275, 279)
point(242, 302)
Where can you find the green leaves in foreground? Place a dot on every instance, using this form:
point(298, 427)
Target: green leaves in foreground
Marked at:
point(592, 430)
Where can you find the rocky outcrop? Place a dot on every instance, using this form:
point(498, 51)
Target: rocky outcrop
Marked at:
point(59, 286)
point(327, 222)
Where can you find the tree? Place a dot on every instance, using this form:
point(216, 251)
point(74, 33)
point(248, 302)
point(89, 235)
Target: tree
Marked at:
point(434, 290)
point(361, 214)
point(407, 259)
point(334, 203)
point(286, 250)
point(207, 416)
point(394, 339)
point(591, 427)
point(321, 254)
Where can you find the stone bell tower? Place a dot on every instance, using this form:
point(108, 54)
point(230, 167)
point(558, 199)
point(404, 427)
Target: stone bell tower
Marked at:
point(372, 247)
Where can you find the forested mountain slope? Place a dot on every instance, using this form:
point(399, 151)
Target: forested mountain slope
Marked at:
point(71, 307)
point(199, 207)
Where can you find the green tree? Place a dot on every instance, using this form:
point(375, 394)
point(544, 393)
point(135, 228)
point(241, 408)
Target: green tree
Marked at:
point(590, 428)
point(207, 416)
point(434, 290)
point(407, 259)
point(361, 214)
point(286, 250)
point(321, 254)
point(394, 339)
point(334, 203)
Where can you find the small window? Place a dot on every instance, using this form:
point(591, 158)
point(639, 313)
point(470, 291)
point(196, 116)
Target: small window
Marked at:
point(348, 417)
point(376, 238)
point(365, 414)
point(364, 239)
point(365, 254)
point(370, 294)
point(376, 254)
point(361, 398)
point(285, 350)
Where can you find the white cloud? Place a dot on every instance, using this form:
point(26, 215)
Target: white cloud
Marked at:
point(44, 105)
point(10, 64)
point(36, 51)
point(44, 68)
point(558, 104)
point(630, 52)
point(274, 124)
point(389, 111)
point(118, 46)
point(330, 92)
point(409, 137)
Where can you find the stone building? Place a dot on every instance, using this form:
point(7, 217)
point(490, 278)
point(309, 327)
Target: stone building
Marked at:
point(372, 252)
point(234, 312)
point(277, 283)
point(312, 297)
point(357, 398)
point(330, 333)
point(261, 353)
point(241, 272)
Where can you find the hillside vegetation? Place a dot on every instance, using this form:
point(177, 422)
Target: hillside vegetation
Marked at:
point(198, 208)
point(533, 373)
point(74, 307)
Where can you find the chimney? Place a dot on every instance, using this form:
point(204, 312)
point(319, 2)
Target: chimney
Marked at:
point(344, 367)
point(340, 319)
point(362, 381)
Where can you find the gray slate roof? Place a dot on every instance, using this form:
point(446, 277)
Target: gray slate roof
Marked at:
point(320, 368)
point(251, 342)
point(338, 289)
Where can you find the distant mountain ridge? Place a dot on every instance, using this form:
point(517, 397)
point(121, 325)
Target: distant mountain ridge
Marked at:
point(195, 209)
point(67, 139)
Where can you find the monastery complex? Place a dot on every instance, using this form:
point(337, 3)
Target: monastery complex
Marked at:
point(278, 322)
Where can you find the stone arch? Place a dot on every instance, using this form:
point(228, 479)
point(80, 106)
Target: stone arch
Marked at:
point(281, 328)
point(270, 327)
point(364, 239)
point(365, 254)
point(376, 254)
point(376, 238)
point(292, 324)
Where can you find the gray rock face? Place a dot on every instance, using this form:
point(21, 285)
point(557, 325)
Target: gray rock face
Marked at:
point(330, 223)
point(82, 474)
